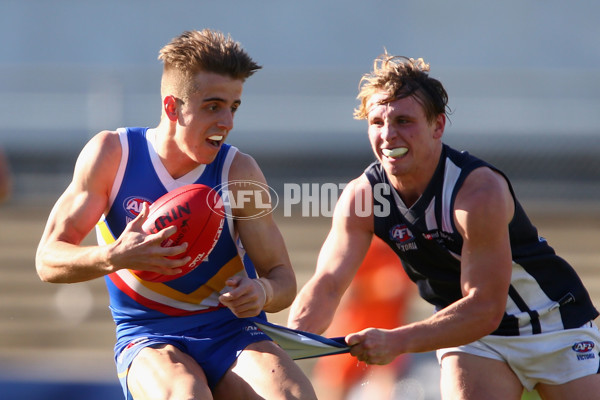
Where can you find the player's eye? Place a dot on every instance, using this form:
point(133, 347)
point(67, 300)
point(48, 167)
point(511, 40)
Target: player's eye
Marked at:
point(376, 122)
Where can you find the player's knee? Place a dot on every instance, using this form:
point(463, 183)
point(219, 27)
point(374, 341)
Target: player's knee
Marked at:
point(183, 387)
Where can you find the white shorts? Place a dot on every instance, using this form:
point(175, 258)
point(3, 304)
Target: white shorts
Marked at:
point(552, 358)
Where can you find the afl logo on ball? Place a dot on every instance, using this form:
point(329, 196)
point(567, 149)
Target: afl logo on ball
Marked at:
point(133, 205)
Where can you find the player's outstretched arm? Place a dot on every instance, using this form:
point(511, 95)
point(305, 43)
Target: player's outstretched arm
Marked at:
point(339, 259)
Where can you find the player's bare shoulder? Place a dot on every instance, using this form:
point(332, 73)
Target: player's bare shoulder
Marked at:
point(485, 187)
point(104, 147)
point(354, 209)
point(98, 162)
point(245, 167)
point(249, 193)
point(356, 198)
point(485, 196)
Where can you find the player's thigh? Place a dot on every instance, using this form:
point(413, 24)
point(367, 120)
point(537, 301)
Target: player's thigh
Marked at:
point(165, 372)
point(470, 377)
point(264, 371)
point(586, 388)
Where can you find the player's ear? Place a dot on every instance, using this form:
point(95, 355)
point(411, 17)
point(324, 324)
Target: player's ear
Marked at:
point(440, 124)
point(170, 107)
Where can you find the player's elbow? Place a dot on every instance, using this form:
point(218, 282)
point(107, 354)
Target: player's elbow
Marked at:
point(492, 322)
point(490, 316)
point(486, 312)
point(44, 271)
point(44, 274)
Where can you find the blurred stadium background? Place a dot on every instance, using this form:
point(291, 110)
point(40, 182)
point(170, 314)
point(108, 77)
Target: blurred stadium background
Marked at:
point(524, 85)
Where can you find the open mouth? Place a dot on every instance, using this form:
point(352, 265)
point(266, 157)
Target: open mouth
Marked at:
point(394, 153)
point(215, 140)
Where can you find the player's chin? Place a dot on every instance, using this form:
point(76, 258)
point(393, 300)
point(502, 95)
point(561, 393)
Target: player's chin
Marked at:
point(392, 166)
point(207, 157)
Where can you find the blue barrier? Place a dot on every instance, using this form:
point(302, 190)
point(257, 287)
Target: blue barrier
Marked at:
point(32, 390)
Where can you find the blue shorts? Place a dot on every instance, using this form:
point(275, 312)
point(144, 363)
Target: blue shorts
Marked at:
point(214, 347)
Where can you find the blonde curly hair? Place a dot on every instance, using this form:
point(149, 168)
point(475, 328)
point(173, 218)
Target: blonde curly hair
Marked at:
point(402, 77)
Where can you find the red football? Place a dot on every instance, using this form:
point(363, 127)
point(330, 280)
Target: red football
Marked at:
point(197, 212)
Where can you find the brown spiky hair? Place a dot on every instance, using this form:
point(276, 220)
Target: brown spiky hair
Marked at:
point(210, 51)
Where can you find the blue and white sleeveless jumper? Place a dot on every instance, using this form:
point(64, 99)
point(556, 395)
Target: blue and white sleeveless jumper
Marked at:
point(140, 307)
point(545, 292)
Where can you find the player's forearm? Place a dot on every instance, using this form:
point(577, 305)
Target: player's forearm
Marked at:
point(280, 287)
point(460, 323)
point(67, 263)
point(313, 309)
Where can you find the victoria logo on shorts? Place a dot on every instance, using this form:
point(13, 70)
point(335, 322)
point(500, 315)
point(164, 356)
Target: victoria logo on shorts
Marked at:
point(584, 350)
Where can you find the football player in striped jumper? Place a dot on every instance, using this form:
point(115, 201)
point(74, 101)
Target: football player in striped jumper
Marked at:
point(189, 337)
point(510, 313)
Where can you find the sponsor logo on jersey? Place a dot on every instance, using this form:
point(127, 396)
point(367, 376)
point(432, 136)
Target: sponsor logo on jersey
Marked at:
point(584, 350)
point(133, 206)
point(441, 237)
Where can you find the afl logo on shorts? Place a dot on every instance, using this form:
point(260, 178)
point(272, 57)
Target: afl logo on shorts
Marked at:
point(133, 205)
point(400, 234)
point(583, 347)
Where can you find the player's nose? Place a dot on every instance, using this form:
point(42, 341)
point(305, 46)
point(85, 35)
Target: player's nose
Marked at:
point(226, 120)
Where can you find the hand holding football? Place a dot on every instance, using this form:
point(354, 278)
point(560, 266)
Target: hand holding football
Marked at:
point(194, 210)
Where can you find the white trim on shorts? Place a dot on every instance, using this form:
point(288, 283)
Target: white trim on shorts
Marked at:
point(552, 358)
